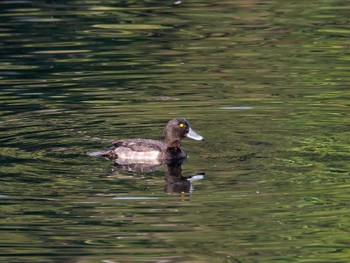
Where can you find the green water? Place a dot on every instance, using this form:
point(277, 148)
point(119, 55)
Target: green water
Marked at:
point(265, 82)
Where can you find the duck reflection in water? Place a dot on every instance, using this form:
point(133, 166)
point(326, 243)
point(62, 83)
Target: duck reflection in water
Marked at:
point(175, 181)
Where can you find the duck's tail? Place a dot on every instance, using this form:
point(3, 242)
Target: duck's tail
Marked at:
point(106, 154)
point(98, 154)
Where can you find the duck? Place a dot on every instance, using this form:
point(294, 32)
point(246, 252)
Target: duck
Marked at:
point(126, 151)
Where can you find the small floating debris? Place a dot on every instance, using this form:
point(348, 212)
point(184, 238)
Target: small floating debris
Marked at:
point(236, 108)
point(135, 198)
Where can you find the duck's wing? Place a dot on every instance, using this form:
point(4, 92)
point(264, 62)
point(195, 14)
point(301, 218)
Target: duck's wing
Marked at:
point(140, 145)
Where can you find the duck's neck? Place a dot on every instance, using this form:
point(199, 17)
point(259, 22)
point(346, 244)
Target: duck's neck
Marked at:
point(172, 144)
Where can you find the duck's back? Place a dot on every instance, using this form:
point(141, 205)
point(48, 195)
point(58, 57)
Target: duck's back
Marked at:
point(139, 149)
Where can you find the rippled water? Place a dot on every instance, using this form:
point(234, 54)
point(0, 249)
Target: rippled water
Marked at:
point(266, 83)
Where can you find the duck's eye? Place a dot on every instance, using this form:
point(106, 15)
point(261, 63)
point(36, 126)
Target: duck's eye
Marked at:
point(182, 125)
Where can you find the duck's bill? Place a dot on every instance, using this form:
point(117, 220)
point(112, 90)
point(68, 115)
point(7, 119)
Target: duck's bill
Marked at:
point(191, 134)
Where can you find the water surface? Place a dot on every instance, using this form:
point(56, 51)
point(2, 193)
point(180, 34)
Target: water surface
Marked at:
point(266, 84)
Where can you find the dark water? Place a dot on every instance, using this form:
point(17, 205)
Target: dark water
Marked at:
point(266, 83)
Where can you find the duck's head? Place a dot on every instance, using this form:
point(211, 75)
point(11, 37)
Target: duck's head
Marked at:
point(177, 129)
